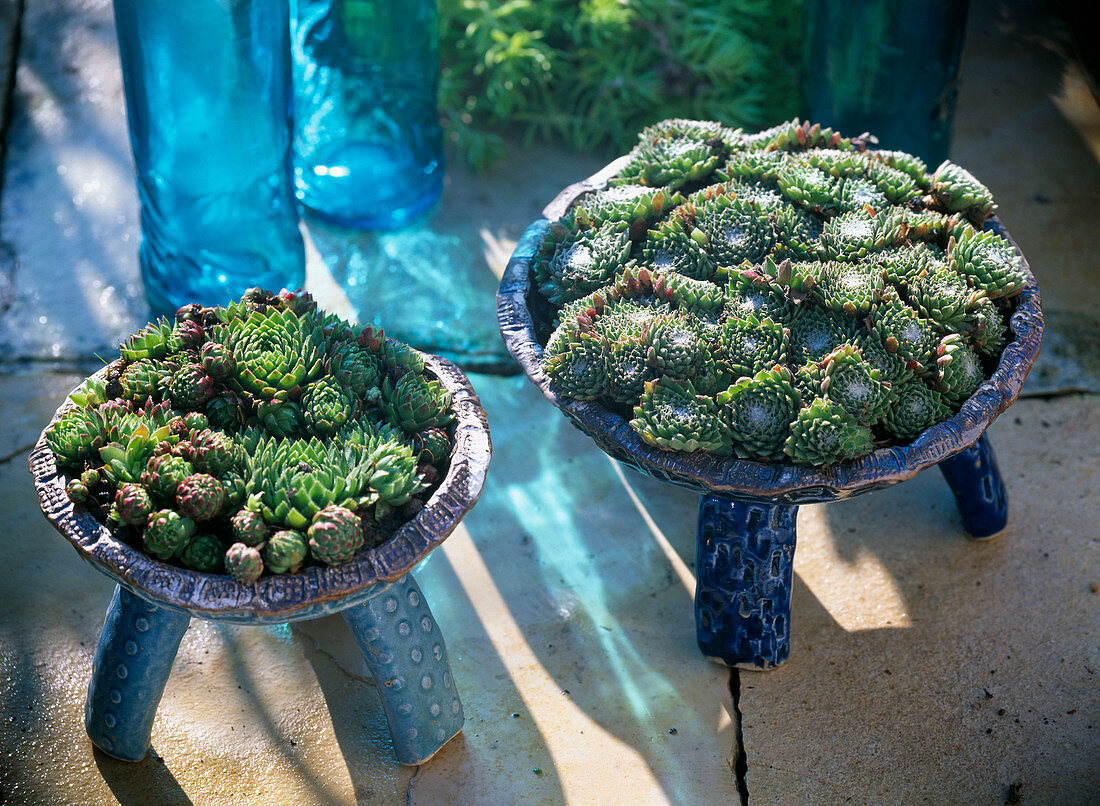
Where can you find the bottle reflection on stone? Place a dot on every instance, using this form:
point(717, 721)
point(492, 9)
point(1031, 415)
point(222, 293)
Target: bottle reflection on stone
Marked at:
point(368, 145)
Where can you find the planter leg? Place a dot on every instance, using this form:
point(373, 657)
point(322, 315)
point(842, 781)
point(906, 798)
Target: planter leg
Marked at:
point(134, 656)
point(979, 489)
point(744, 559)
point(407, 658)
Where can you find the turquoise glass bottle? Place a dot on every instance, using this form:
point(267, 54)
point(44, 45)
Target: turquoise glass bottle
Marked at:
point(208, 92)
point(367, 144)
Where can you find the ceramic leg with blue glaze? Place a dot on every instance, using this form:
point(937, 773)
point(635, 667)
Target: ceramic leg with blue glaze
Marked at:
point(132, 662)
point(407, 658)
point(745, 569)
point(979, 489)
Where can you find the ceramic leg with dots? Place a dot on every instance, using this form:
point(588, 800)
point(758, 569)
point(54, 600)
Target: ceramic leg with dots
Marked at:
point(745, 567)
point(133, 659)
point(404, 650)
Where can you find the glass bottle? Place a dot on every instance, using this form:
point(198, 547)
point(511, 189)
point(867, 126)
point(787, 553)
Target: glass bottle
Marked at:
point(887, 67)
point(367, 144)
point(208, 93)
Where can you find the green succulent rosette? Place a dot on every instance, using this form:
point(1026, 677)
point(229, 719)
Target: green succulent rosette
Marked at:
point(285, 552)
point(958, 190)
point(987, 262)
point(750, 345)
point(855, 385)
point(914, 409)
point(824, 433)
point(335, 534)
point(759, 411)
point(275, 351)
point(672, 416)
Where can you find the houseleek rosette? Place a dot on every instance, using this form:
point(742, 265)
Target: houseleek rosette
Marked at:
point(759, 411)
point(275, 352)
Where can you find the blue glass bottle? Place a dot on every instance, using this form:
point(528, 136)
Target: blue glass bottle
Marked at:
point(208, 94)
point(368, 145)
point(886, 67)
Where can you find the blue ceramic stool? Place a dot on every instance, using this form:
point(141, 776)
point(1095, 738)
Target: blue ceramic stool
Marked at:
point(746, 524)
point(375, 592)
point(745, 561)
point(394, 628)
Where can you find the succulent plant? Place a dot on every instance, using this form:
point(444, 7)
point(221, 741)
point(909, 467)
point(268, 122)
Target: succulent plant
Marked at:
point(155, 340)
point(759, 411)
point(133, 505)
point(275, 352)
point(250, 419)
point(244, 563)
point(143, 379)
point(335, 534)
point(628, 368)
point(673, 347)
point(189, 386)
point(958, 369)
point(200, 497)
point(957, 190)
point(987, 262)
point(166, 532)
point(432, 445)
point(285, 552)
point(217, 360)
point(249, 527)
point(76, 435)
point(394, 477)
point(415, 403)
point(914, 409)
point(855, 274)
point(355, 368)
point(824, 433)
point(854, 384)
point(670, 247)
point(202, 553)
point(581, 371)
point(77, 491)
point(326, 405)
point(733, 231)
point(214, 452)
point(583, 262)
point(750, 345)
point(163, 474)
point(633, 205)
point(672, 415)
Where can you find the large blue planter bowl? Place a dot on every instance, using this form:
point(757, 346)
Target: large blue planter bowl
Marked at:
point(745, 530)
point(387, 612)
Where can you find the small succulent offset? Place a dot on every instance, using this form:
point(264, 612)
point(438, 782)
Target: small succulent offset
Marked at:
point(785, 296)
point(262, 436)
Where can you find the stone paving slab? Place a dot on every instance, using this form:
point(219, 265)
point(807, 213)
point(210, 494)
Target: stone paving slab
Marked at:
point(927, 668)
point(567, 611)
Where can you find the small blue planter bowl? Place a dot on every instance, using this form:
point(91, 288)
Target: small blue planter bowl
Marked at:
point(746, 524)
point(154, 602)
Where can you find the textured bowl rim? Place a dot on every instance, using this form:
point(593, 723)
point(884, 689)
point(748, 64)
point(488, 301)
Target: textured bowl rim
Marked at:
point(747, 479)
point(285, 597)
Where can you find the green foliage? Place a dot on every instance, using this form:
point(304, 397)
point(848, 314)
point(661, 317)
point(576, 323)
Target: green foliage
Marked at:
point(826, 297)
point(269, 413)
point(593, 73)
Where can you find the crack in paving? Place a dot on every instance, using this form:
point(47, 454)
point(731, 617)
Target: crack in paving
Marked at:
point(741, 762)
point(332, 658)
point(22, 449)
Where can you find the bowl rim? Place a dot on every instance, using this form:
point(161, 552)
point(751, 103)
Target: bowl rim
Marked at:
point(312, 591)
point(748, 479)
